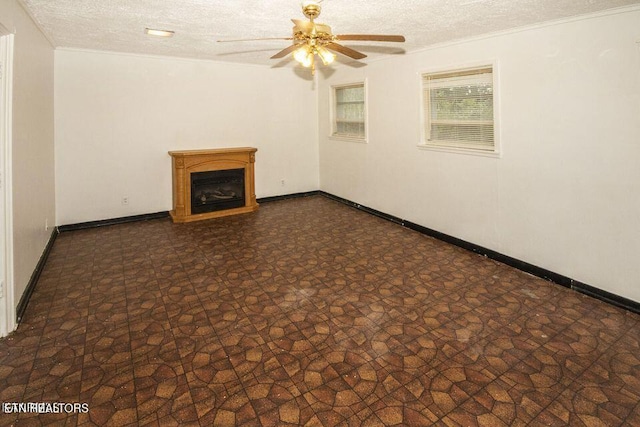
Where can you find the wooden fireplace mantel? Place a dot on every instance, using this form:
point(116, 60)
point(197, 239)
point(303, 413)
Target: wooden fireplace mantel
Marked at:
point(186, 162)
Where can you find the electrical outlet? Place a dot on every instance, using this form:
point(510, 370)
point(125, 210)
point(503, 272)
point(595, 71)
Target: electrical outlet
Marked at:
point(125, 200)
point(282, 182)
point(1, 289)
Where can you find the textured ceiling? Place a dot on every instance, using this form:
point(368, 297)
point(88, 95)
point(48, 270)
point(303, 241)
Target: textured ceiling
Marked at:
point(118, 25)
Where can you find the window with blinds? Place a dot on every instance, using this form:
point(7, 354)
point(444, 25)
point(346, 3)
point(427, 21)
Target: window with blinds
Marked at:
point(349, 111)
point(458, 109)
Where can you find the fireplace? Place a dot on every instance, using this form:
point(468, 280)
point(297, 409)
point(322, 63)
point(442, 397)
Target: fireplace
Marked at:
point(217, 190)
point(212, 183)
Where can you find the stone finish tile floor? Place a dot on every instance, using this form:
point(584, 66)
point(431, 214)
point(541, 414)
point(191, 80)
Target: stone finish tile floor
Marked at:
point(309, 312)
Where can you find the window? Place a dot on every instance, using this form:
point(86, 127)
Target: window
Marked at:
point(349, 111)
point(458, 109)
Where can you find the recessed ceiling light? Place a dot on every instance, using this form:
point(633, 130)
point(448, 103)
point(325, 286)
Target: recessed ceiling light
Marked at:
point(159, 33)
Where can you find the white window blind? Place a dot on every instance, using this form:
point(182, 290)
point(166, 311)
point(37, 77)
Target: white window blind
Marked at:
point(349, 111)
point(458, 108)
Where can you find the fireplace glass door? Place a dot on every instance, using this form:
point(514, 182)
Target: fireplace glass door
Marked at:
point(217, 190)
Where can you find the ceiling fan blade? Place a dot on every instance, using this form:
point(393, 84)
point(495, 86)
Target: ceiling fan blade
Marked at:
point(322, 28)
point(371, 37)
point(307, 26)
point(284, 52)
point(252, 40)
point(304, 26)
point(345, 50)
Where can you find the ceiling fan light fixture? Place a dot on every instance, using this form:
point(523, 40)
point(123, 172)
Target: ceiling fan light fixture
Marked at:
point(304, 55)
point(308, 61)
point(301, 53)
point(326, 56)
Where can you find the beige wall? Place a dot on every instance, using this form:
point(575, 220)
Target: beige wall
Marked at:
point(117, 115)
point(565, 195)
point(32, 145)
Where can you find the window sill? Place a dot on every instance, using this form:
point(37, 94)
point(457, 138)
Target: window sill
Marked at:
point(348, 138)
point(460, 150)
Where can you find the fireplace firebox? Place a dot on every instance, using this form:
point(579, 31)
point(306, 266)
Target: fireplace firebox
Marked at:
point(217, 190)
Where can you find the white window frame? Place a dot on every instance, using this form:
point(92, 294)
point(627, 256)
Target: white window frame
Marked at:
point(461, 148)
point(333, 125)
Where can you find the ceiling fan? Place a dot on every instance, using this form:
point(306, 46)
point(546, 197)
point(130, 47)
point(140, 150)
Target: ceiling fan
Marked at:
point(311, 39)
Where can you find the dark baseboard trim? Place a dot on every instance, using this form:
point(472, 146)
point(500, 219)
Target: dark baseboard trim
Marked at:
point(534, 270)
point(605, 296)
point(113, 221)
point(288, 196)
point(163, 214)
point(363, 208)
point(497, 256)
point(31, 285)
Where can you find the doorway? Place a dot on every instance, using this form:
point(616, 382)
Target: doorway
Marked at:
point(7, 303)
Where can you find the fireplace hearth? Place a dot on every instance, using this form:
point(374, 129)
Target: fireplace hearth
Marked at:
point(212, 183)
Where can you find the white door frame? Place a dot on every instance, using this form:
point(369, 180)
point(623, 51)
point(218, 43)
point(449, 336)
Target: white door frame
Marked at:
point(7, 300)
